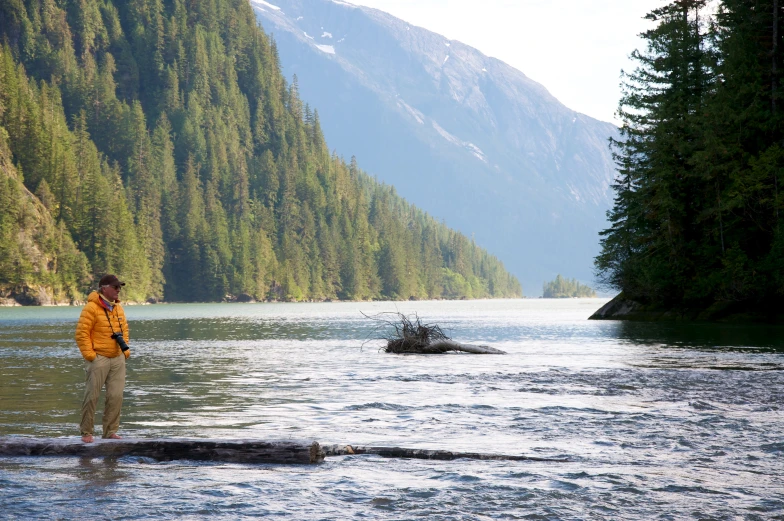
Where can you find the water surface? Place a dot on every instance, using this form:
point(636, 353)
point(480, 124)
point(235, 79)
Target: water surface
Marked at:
point(659, 421)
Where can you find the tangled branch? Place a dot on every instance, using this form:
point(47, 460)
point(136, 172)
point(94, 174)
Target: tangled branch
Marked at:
point(407, 335)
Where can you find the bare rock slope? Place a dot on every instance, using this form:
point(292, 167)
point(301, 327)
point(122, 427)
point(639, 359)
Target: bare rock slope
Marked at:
point(465, 136)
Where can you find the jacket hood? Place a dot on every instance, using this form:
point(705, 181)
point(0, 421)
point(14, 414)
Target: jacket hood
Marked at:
point(96, 298)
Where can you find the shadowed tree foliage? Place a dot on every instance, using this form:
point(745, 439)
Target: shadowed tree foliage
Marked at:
point(166, 145)
point(697, 218)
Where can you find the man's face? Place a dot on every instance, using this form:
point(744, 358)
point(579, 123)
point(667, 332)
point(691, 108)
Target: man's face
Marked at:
point(111, 292)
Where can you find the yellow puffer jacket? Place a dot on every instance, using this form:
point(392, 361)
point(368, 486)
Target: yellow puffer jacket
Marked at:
point(93, 332)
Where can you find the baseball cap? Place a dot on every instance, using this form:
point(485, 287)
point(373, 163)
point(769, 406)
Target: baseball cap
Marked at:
point(110, 280)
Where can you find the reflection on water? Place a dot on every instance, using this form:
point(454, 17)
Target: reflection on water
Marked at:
point(760, 337)
point(659, 421)
point(101, 475)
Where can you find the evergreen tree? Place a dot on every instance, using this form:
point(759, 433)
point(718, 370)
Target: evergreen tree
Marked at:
point(163, 139)
point(697, 215)
point(648, 249)
point(562, 287)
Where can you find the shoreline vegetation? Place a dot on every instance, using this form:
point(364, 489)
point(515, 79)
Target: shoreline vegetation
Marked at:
point(11, 303)
point(697, 227)
point(562, 287)
point(159, 141)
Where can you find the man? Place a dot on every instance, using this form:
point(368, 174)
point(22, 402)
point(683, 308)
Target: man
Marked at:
point(102, 317)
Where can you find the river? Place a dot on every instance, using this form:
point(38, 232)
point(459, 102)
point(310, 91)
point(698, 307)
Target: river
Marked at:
point(658, 421)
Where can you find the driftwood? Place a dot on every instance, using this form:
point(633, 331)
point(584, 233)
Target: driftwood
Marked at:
point(444, 455)
point(444, 346)
point(406, 335)
point(230, 451)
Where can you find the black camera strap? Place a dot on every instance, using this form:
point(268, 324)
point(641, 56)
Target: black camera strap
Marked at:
point(110, 323)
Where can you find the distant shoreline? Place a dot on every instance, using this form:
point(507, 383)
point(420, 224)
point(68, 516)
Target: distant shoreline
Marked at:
point(3, 304)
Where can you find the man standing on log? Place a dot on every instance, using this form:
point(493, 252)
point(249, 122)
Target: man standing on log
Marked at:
point(102, 337)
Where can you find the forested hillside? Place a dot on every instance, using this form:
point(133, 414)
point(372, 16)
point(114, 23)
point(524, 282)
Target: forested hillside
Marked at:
point(561, 287)
point(159, 141)
point(698, 210)
point(487, 148)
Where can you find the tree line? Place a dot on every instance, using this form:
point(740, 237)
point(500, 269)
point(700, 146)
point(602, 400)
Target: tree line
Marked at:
point(698, 208)
point(561, 287)
point(158, 139)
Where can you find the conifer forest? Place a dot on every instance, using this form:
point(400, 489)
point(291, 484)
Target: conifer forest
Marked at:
point(561, 287)
point(698, 213)
point(158, 140)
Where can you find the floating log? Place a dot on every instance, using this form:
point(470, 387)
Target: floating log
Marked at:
point(444, 455)
point(408, 335)
point(444, 346)
point(229, 451)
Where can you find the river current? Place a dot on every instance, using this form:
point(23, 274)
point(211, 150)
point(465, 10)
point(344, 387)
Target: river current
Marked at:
point(657, 421)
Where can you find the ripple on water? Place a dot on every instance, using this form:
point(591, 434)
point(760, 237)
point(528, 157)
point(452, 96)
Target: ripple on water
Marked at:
point(654, 420)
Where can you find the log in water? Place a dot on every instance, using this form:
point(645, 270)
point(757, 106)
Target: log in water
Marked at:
point(230, 451)
point(445, 455)
point(450, 345)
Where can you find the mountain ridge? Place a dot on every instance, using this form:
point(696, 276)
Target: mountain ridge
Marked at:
point(467, 119)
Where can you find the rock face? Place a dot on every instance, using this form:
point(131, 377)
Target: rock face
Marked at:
point(464, 136)
point(33, 296)
point(31, 242)
point(618, 308)
point(622, 308)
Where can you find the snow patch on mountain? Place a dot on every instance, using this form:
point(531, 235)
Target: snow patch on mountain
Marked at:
point(475, 150)
point(326, 35)
point(307, 35)
point(574, 191)
point(418, 116)
point(446, 135)
point(326, 48)
point(352, 6)
point(265, 4)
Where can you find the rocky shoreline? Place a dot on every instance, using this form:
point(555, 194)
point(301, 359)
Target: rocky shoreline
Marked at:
point(623, 308)
point(35, 296)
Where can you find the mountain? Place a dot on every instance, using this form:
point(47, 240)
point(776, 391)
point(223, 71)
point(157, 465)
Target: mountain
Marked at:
point(464, 136)
point(158, 140)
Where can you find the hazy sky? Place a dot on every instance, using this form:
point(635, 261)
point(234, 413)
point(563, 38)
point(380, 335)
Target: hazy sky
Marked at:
point(575, 48)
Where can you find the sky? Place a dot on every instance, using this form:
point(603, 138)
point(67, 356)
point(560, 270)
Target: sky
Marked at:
point(575, 48)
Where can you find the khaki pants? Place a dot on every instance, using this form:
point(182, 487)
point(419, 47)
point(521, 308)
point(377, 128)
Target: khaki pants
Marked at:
point(111, 373)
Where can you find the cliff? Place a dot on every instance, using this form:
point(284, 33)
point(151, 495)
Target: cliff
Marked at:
point(623, 308)
point(39, 264)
